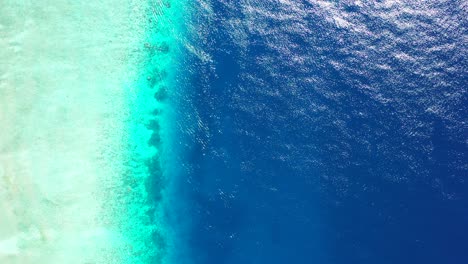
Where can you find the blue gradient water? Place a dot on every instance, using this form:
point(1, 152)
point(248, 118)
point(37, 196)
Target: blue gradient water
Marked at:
point(324, 132)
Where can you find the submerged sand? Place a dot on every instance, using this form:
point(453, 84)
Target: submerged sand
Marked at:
point(66, 71)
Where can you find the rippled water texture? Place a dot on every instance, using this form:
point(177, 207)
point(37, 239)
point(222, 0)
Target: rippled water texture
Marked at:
point(327, 131)
point(233, 132)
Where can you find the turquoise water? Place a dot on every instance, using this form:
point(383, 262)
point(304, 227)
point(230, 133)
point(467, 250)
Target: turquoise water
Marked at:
point(227, 132)
point(86, 130)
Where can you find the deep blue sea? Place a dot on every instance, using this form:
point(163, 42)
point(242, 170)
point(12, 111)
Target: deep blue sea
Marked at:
point(328, 132)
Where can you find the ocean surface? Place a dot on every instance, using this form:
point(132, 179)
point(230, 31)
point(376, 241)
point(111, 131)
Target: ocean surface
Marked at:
point(323, 132)
point(233, 132)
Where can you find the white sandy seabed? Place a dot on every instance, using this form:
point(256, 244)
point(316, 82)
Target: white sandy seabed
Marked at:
point(66, 160)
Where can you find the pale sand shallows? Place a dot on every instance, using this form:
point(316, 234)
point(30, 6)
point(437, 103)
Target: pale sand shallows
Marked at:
point(65, 104)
